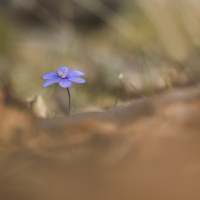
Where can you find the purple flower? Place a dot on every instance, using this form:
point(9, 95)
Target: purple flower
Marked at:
point(63, 76)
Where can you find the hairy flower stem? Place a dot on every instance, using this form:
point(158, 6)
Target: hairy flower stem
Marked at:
point(69, 101)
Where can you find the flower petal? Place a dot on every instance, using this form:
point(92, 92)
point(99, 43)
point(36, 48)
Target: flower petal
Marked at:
point(62, 69)
point(76, 80)
point(50, 75)
point(65, 83)
point(75, 73)
point(50, 82)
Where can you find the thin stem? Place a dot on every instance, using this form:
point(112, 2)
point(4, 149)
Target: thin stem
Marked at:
point(116, 98)
point(138, 91)
point(69, 100)
point(125, 90)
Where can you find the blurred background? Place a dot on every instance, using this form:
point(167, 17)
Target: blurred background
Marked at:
point(129, 50)
point(154, 44)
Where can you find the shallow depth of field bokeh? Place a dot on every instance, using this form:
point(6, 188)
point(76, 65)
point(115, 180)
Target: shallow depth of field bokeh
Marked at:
point(154, 44)
point(133, 132)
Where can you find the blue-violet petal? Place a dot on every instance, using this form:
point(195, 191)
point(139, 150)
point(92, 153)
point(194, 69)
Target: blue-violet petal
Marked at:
point(50, 82)
point(62, 69)
point(50, 75)
point(76, 80)
point(75, 73)
point(65, 83)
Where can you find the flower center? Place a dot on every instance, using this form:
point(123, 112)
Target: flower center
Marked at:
point(63, 75)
